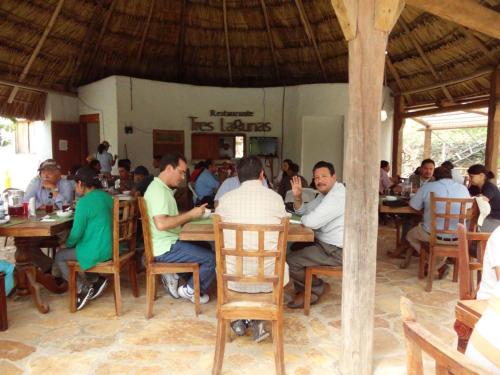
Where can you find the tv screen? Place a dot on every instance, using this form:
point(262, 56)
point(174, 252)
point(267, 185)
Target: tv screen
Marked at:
point(263, 146)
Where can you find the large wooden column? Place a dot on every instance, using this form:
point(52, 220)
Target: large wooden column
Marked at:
point(367, 44)
point(427, 143)
point(397, 135)
point(493, 135)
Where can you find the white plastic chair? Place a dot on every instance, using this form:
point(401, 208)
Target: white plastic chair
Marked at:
point(195, 196)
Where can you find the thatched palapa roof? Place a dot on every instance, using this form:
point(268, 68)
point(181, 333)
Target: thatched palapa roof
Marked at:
point(62, 44)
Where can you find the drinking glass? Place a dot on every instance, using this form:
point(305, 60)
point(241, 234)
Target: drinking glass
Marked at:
point(49, 208)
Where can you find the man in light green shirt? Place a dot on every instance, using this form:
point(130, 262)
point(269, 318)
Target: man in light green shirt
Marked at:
point(165, 222)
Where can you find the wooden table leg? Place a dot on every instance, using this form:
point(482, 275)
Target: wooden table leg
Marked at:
point(3, 304)
point(463, 333)
point(29, 274)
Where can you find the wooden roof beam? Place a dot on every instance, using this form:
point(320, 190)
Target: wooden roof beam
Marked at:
point(180, 43)
point(472, 76)
point(37, 49)
point(397, 78)
point(474, 40)
point(270, 39)
point(146, 29)
point(453, 108)
point(426, 60)
point(109, 12)
point(387, 13)
point(467, 13)
point(310, 35)
point(226, 37)
point(28, 87)
point(347, 14)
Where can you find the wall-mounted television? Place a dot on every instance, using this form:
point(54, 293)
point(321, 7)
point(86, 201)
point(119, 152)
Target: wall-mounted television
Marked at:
point(263, 146)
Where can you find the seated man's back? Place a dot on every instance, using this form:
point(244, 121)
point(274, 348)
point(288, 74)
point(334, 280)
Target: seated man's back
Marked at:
point(252, 203)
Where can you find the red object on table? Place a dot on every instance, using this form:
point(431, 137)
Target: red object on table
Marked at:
point(16, 210)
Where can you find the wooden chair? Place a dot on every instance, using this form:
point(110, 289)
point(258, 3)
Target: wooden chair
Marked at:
point(417, 338)
point(124, 231)
point(153, 269)
point(232, 305)
point(3, 304)
point(333, 271)
point(436, 248)
point(465, 275)
point(467, 266)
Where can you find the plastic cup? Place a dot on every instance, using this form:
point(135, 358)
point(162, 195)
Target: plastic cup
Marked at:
point(25, 208)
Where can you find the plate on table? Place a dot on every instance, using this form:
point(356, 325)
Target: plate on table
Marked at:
point(63, 214)
point(391, 198)
point(124, 197)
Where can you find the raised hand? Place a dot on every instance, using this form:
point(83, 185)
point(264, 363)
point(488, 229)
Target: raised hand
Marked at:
point(296, 186)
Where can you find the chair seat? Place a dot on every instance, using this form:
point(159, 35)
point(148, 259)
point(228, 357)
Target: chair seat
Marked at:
point(326, 270)
point(249, 310)
point(104, 266)
point(158, 268)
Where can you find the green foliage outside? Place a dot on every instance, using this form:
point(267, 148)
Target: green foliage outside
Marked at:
point(463, 147)
point(7, 128)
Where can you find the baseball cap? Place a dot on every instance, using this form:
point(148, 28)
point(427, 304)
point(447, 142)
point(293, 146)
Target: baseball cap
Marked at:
point(49, 164)
point(88, 176)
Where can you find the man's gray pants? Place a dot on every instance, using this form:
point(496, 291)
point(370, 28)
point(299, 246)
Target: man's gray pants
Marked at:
point(305, 254)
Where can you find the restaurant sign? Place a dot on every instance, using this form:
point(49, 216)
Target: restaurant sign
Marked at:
point(236, 125)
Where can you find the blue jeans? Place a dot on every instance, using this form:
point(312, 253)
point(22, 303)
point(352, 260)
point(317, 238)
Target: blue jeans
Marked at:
point(189, 252)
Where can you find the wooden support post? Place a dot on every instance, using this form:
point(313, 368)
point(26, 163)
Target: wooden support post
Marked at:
point(226, 38)
point(493, 134)
point(361, 171)
point(427, 143)
point(397, 136)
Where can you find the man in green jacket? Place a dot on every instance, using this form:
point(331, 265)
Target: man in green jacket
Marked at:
point(90, 239)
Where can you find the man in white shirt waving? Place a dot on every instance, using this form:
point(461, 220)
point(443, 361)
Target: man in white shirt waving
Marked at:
point(325, 215)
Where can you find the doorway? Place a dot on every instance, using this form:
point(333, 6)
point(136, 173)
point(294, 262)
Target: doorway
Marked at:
point(92, 127)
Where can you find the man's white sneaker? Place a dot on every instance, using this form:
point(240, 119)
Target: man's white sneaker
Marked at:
point(170, 282)
point(185, 291)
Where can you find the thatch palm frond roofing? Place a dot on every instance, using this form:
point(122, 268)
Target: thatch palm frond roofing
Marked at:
point(243, 43)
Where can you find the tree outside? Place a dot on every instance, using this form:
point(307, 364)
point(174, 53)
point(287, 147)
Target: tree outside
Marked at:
point(463, 147)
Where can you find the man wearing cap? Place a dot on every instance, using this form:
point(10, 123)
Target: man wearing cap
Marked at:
point(49, 186)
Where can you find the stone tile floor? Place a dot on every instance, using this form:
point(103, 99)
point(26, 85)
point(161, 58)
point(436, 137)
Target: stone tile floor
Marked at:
point(174, 341)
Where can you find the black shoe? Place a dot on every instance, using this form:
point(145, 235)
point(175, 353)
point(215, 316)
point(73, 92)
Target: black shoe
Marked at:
point(83, 297)
point(99, 287)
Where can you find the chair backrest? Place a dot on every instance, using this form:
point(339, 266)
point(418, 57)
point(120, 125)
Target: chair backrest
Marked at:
point(124, 225)
point(239, 253)
point(456, 210)
point(465, 281)
point(417, 338)
point(146, 230)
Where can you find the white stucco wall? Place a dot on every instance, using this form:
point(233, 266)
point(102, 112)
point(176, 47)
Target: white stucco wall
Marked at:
point(146, 105)
point(101, 97)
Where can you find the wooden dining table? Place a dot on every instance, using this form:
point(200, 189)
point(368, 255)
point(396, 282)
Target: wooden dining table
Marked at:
point(467, 314)
point(29, 233)
point(403, 209)
point(202, 230)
